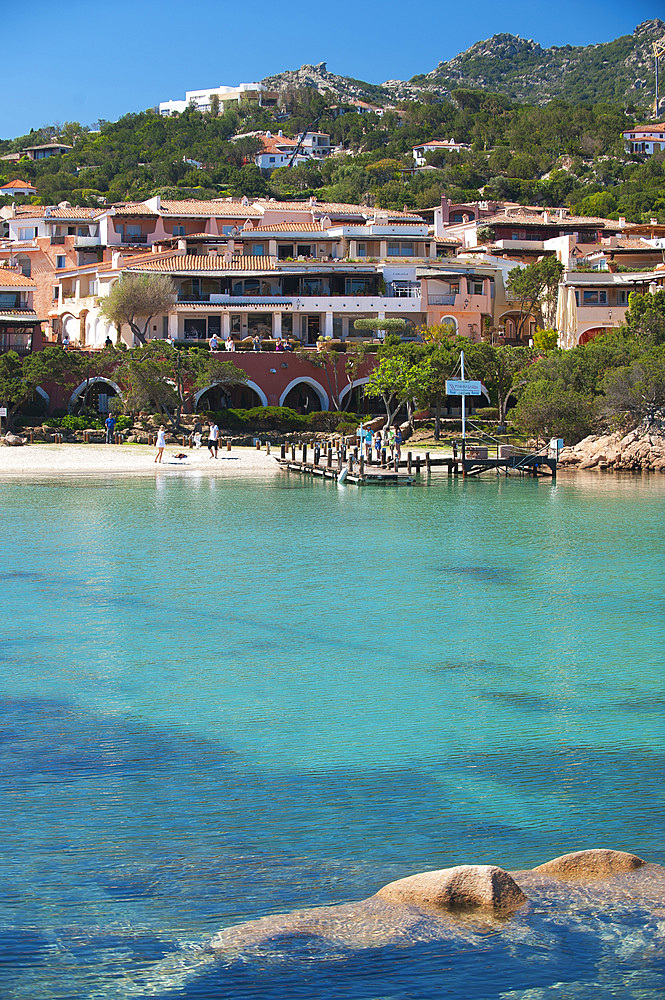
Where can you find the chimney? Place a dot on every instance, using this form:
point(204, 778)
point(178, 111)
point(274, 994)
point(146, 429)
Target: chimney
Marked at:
point(445, 210)
point(280, 134)
point(622, 221)
point(653, 222)
point(546, 216)
point(465, 217)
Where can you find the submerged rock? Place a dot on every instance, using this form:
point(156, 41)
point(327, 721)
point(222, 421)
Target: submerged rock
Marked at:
point(591, 864)
point(458, 888)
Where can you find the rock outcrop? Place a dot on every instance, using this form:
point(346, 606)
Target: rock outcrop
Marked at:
point(462, 887)
point(641, 450)
point(592, 864)
point(13, 440)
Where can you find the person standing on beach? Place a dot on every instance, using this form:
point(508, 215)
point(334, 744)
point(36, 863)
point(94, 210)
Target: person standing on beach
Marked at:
point(391, 443)
point(398, 445)
point(161, 443)
point(213, 439)
point(377, 445)
point(109, 423)
point(196, 434)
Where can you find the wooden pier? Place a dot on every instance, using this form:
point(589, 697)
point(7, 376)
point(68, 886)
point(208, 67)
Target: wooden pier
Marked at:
point(348, 466)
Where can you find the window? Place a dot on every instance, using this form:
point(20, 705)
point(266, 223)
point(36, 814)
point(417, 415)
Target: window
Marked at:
point(55, 293)
point(258, 249)
point(271, 159)
point(9, 300)
point(476, 287)
point(594, 298)
point(165, 327)
point(61, 261)
point(26, 267)
point(304, 250)
point(27, 234)
point(92, 287)
point(133, 230)
point(214, 326)
point(400, 249)
point(358, 286)
point(284, 251)
point(362, 249)
point(227, 230)
point(311, 286)
point(622, 297)
point(178, 230)
point(235, 322)
point(195, 328)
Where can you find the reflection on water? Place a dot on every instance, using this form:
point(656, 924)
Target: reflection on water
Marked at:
point(224, 700)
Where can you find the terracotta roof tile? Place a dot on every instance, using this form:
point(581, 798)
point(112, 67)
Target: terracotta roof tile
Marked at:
point(14, 279)
point(203, 262)
point(18, 183)
point(218, 209)
point(285, 227)
point(74, 213)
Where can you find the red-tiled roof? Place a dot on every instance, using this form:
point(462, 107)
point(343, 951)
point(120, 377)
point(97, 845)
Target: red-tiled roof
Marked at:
point(73, 213)
point(217, 209)
point(284, 227)
point(14, 279)
point(18, 183)
point(656, 127)
point(174, 264)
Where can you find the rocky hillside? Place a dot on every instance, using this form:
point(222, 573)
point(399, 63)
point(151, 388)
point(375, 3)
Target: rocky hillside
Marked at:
point(621, 70)
point(522, 69)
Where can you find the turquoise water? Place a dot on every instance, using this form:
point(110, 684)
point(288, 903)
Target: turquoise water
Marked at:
point(224, 699)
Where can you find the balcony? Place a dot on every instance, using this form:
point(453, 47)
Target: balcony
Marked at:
point(57, 241)
point(136, 239)
point(86, 241)
point(442, 300)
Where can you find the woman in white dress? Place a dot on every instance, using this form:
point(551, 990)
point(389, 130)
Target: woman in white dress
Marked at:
point(161, 443)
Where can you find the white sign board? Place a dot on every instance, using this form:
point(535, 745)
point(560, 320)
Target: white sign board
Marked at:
point(399, 274)
point(463, 387)
point(3, 411)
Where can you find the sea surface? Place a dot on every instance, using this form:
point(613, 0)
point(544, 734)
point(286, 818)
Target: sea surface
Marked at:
point(223, 699)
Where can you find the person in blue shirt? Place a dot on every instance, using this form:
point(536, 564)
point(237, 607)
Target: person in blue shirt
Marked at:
point(109, 423)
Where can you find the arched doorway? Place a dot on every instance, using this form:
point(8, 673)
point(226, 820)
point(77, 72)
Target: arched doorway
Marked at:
point(94, 394)
point(238, 397)
point(591, 334)
point(304, 395)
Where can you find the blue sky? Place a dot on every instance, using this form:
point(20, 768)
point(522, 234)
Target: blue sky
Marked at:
point(89, 59)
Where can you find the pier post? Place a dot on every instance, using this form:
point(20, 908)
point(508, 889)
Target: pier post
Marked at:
point(258, 444)
point(293, 452)
point(267, 447)
point(418, 466)
point(409, 460)
point(383, 458)
point(304, 452)
point(329, 457)
point(428, 464)
point(282, 452)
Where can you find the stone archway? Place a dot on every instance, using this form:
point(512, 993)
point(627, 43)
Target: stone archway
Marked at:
point(96, 385)
point(306, 381)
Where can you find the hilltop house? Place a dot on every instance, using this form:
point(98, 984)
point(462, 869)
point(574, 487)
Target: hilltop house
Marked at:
point(201, 100)
point(645, 138)
point(18, 189)
point(436, 146)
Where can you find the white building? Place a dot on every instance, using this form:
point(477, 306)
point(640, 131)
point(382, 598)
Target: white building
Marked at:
point(201, 99)
point(645, 138)
point(436, 146)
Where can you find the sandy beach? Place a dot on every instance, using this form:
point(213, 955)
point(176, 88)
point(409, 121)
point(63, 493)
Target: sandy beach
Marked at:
point(131, 460)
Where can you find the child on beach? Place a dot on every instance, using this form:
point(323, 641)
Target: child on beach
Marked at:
point(196, 434)
point(161, 443)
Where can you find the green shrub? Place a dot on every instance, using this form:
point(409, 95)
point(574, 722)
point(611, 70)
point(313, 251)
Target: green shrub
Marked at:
point(487, 413)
